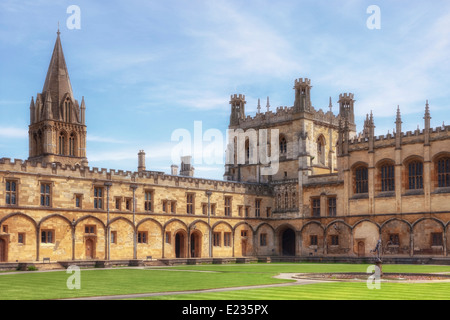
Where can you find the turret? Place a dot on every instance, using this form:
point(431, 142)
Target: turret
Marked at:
point(141, 161)
point(237, 103)
point(302, 89)
point(346, 106)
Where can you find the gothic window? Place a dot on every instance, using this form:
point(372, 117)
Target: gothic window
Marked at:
point(415, 175)
point(67, 113)
point(72, 145)
point(361, 180)
point(443, 170)
point(321, 150)
point(283, 145)
point(247, 152)
point(387, 177)
point(61, 144)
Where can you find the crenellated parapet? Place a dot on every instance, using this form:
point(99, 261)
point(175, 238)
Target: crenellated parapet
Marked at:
point(17, 167)
point(417, 136)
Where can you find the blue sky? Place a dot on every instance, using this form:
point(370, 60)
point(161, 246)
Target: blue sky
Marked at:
point(148, 68)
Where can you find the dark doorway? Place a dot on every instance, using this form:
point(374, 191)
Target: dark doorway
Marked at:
point(288, 242)
point(2, 250)
point(196, 245)
point(179, 245)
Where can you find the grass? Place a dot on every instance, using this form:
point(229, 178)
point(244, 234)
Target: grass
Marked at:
point(328, 291)
point(101, 282)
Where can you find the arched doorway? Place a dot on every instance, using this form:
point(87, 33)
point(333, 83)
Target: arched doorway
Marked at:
point(90, 248)
point(2, 250)
point(288, 242)
point(180, 245)
point(196, 245)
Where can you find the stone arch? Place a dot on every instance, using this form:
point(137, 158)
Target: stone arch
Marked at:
point(366, 234)
point(286, 236)
point(123, 233)
point(338, 238)
point(55, 238)
point(25, 228)
point(265, 239)
point(396, 237)
point(176, 239)
point(223, 239)
point(428, 237)
point(151, 244)
point(313, 238)
point(243, 239)
point(90, 241)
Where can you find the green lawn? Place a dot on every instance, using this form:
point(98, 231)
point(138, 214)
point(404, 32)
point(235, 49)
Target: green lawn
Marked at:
point(328, 291)
point(52, 285)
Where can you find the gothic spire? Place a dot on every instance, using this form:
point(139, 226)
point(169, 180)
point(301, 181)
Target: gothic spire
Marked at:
point(57, 82)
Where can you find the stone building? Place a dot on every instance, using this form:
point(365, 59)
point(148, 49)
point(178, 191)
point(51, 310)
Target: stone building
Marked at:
point(321, 190)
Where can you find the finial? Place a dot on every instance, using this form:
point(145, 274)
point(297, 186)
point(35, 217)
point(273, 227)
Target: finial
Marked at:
point(58, 33)
point(268, 104)
point(259, 106)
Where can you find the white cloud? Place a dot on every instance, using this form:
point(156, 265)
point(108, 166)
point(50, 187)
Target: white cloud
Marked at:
point(9, 132)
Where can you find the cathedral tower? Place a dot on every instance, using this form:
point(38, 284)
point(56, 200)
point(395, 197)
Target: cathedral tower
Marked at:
point(57, 131)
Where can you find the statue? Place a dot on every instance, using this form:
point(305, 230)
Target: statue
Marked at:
point(377, 250)
point(378, 261)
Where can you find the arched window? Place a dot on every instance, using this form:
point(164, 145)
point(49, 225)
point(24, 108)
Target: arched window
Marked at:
point(67, 113)
point(72, 145)
point(415, 175)
point(283, 145)
point(61, 143)
point(247, 152)
point(387, 172)
point(321, 150)
point(443, 171)
point(361, 180)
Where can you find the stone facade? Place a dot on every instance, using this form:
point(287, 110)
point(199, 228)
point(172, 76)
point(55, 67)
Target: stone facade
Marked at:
point(334, 193)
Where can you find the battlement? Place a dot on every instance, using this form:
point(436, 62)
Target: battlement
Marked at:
point(346, 96)
point(302, 82)
point(284, 113)
point(237, 97)
point(15, 168)
point(417, 136)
